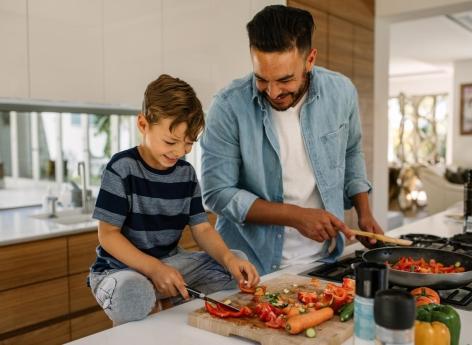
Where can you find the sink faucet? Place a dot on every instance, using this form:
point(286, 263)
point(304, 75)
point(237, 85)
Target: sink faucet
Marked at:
point(85, 197)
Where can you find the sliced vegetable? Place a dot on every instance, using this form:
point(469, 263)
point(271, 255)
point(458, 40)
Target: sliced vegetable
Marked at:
point(310, 332)
point(246, 289)
point(299, 323)
point(222, 312)
point(307, 297)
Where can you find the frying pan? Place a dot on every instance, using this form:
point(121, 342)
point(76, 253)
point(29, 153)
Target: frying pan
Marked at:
point(413, 279)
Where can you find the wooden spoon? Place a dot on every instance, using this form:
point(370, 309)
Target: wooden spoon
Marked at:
point(382, 238)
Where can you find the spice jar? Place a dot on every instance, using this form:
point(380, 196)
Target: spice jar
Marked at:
point(394, 314)
point(370, 278)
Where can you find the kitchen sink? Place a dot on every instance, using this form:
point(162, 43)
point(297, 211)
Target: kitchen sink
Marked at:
point(66, 217)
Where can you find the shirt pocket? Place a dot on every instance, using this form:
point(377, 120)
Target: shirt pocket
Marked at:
point(334, 144)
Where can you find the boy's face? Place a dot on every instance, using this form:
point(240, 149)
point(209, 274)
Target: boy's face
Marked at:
point(282, 76)
point(163, 147)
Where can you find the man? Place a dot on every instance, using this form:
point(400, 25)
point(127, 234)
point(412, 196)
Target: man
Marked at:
point(282, 154)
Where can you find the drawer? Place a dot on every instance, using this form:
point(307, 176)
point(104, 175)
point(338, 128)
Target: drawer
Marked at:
point(88, 324)
point(32, 304)
point(55, 334)
point(32, 262)
point(82, 251)
point(80, 294)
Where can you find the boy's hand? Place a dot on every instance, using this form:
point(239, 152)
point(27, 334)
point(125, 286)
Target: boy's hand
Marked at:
point(242, 270)
point(168, 281)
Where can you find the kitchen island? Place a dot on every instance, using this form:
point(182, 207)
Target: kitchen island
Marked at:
point(170, 326)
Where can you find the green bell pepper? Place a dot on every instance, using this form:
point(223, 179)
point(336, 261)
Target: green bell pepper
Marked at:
point(444, 314)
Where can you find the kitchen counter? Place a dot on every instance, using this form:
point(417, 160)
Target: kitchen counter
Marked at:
point(170, 326)
point(17, 226)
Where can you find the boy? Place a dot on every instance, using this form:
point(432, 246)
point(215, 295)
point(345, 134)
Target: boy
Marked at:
point(148, 195)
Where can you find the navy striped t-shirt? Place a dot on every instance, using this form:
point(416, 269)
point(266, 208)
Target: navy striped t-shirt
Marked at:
point(151, 206)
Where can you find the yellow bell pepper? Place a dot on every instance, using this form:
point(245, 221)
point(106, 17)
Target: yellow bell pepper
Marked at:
point(434, 333)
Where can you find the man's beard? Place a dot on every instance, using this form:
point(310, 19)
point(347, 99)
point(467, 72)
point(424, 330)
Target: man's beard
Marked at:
point(296, 96)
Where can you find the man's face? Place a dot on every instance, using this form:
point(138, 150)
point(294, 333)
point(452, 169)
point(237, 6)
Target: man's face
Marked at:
point(282, 76)
point(163, 147)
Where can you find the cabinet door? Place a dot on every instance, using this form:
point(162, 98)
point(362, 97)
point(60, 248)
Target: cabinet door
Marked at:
point(89, 324)
point(66, 50)
point(32, 262)
point(82, 251)
point(55, 334)
point(14, 56)
point(80, 294)
point(32, 304)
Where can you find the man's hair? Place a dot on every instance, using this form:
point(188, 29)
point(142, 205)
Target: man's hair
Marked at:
point(278, 28)
point(171, 97)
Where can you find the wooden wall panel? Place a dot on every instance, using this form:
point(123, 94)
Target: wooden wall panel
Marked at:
point(340, 46)
point(82, 251)
point(55, 334)
point(360, 12)
point(320, 37)
point(33, 304)
point(32, 262)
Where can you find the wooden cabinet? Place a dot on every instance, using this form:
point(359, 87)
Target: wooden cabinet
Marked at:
point(43, 287)
point(32, 262)
point(44, 297)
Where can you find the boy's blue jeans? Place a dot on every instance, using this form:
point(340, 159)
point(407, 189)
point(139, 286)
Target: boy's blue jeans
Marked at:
point(126, 295)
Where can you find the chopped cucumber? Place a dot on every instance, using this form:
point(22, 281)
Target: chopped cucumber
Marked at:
point(310, 332)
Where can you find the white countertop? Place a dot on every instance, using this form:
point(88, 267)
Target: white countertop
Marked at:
point(17, 226)
point(170, 326)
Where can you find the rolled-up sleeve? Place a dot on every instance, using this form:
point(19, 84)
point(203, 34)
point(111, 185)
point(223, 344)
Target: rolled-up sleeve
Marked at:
point(221, 160)
point(355, 177)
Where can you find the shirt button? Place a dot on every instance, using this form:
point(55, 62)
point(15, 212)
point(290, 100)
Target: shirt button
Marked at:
point(274, 266)
point(279, 235)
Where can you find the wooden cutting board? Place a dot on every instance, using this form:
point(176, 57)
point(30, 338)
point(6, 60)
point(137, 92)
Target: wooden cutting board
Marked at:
point(333, 332)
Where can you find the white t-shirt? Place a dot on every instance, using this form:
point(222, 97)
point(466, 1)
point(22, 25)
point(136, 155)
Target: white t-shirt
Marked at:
point(299, 183)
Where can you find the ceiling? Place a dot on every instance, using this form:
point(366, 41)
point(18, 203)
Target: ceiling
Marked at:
point(430, 45)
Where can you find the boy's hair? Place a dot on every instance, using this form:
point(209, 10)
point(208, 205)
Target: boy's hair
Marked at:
point(172, 97)
point(278, 28)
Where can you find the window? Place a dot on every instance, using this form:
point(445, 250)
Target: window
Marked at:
point(417, 129)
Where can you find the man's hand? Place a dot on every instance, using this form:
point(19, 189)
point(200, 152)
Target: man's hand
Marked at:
point(318, 224)
point(242, 270)
point(167, 280)
point(368, 223)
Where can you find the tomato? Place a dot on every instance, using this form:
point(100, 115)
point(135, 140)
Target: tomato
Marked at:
point(307, 297)
point(260, 290)
point(325, 300)
point(244, 288)
point(221, 311)
point(277, 322)
point(425, 295)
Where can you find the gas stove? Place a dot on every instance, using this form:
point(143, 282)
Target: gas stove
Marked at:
point(461, 243)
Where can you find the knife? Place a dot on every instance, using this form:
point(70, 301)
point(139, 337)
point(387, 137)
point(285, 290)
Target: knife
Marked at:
point(198, 294)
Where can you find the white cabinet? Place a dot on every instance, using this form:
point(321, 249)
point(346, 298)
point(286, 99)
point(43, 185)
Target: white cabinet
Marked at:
point(66, 50)
point(132, 48)
point(14, 48)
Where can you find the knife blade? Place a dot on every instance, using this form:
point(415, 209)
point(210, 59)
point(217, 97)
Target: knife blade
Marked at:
point(198, 294)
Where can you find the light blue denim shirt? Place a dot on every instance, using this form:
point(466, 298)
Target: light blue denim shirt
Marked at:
point(241, 160)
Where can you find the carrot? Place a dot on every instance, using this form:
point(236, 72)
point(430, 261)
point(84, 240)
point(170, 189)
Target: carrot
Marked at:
point(292, 311)
point(299, 323)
